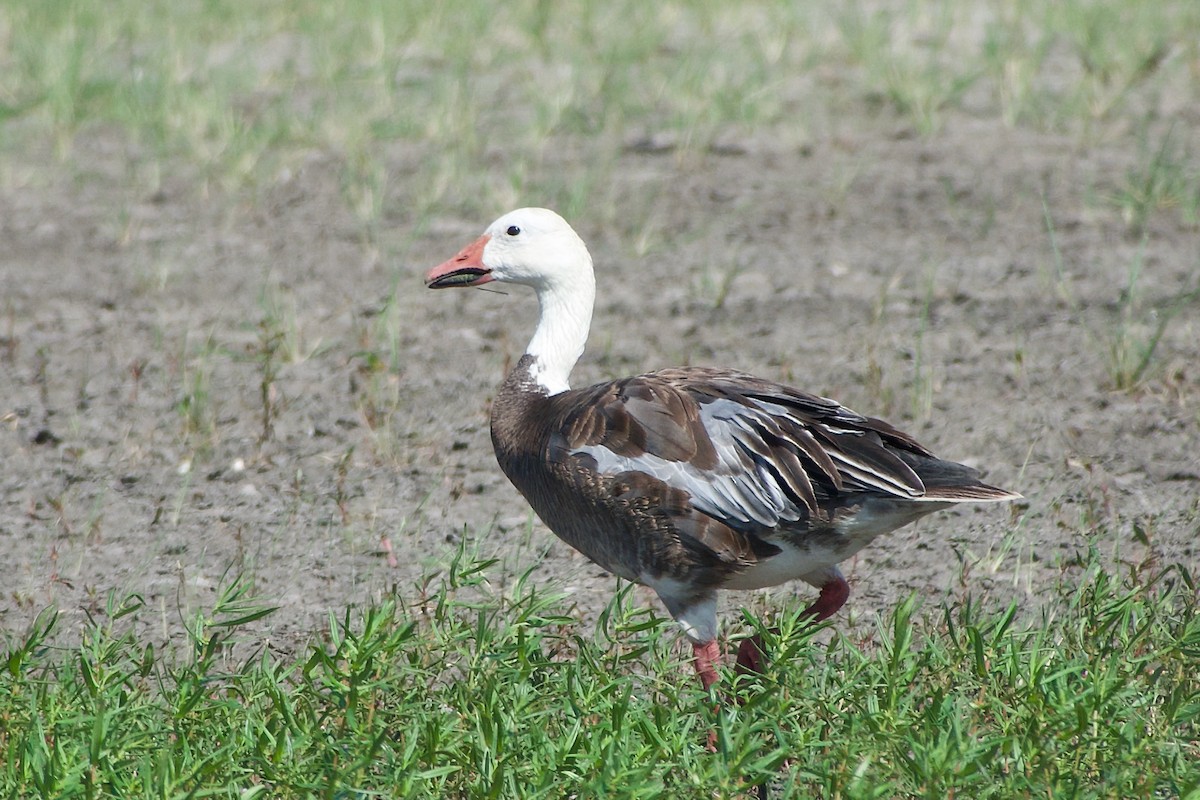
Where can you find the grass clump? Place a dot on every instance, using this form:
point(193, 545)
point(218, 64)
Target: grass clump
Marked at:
point(1166, 177)
point(1131, 340)
point(473, 692)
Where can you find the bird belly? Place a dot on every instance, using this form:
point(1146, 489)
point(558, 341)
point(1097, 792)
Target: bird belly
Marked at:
point(809, 563)
point(810, 557)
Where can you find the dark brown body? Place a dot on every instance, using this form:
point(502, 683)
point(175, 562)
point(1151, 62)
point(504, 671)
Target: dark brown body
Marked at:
point(846, 479)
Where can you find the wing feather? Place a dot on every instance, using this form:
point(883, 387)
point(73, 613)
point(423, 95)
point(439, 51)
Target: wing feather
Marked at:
point(750, 453)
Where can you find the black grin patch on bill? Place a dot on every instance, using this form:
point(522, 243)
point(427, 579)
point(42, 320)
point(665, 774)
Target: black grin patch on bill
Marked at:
point(460, 277)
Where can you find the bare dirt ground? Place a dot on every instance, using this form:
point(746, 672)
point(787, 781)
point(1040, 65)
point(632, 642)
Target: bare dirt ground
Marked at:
point(914, 279)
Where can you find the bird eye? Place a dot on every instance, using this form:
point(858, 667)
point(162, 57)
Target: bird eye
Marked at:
point(513, 230)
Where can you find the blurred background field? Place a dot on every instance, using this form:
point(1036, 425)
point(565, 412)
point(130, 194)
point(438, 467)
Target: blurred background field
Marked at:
point(224, 389)
point(481, 106)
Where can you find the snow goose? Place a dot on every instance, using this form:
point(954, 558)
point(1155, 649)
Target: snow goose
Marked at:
point(694, 479)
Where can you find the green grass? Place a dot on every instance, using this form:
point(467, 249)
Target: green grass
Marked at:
point(472, 691)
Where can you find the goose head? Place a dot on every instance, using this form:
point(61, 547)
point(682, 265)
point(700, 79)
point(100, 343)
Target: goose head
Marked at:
point(530, 246)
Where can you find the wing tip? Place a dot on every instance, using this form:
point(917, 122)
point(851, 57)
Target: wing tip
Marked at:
point(973, 493)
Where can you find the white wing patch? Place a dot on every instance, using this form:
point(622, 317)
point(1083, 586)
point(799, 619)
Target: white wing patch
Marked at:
point(740, 491)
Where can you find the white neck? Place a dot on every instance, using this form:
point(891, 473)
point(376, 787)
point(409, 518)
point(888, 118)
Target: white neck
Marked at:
point(562, 330)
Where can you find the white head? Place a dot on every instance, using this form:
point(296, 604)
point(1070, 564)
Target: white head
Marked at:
point(537, 248)
point(530, 246)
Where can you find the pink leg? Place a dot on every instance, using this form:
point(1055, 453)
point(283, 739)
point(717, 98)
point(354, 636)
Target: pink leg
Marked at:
point(706, 656)
point(751, 657)
point(834, 593)
point(833, 596)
